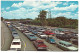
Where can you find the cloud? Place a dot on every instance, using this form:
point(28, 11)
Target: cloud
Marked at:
point(7, 8)
point(67, 8)
point(65, 3)
point(20, 13)
point(66, 14)
point(17, 5)
point(2, 8)
point(30, 9)
point(37, 4)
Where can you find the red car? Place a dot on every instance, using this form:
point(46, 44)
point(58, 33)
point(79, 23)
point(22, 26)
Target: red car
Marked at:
point(49, 33)
point(39, 44)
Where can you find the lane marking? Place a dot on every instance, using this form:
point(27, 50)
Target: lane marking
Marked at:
point(25, 44)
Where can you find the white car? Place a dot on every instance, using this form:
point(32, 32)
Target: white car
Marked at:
point(16, 45)
point(17, 27)
point(26, 32)
point(42, 35)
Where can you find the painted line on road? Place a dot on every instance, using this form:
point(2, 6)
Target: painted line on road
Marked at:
point(24, 44)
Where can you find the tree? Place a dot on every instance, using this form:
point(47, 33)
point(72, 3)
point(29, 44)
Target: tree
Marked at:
point(42, 17)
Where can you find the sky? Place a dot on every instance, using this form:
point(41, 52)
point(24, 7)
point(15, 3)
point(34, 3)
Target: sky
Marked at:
point(31, 9)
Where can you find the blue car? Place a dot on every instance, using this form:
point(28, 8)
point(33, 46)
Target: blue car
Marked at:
point(50, 39)
point(32, 37)
point(34, 32)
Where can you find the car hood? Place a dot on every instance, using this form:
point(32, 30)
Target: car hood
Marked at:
point(72, 48)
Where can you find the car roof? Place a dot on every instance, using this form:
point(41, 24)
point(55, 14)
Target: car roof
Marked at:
point(64, 42)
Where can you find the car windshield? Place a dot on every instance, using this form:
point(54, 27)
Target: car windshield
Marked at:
point(16, 43)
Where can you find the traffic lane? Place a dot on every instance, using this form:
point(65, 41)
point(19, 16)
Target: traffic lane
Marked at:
point(51, 47)
point(27, 44)
point(7, 37)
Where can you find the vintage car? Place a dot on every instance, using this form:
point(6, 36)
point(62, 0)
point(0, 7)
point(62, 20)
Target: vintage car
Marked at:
point(15, 34)
point(31, 36)
point(63, 36)
point(16, 45)
point(50, 40)
point(13, 29)
point(66, 46)
point(49, 33)
point(39, 44)
point(42, 35)
point(34, 32)
point(26, 32)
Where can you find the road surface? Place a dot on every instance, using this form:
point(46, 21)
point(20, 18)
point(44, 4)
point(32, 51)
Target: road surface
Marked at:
point(6, 37)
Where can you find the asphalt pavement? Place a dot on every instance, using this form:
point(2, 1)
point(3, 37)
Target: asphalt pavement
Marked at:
point(6, 37)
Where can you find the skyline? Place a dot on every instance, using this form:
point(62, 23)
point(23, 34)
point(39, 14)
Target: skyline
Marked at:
point(29, 9)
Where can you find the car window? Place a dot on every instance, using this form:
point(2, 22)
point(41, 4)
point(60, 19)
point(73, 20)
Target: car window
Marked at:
point(16, 43)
